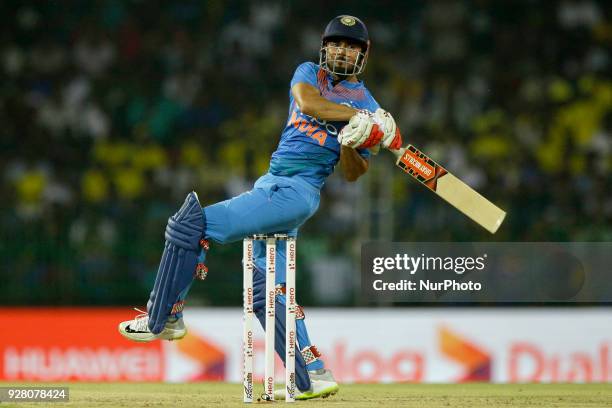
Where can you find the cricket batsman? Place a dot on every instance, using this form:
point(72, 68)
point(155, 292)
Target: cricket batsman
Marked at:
point(332, 118)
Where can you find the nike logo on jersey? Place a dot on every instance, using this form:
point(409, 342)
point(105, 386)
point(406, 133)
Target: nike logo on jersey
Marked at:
point(350, 104)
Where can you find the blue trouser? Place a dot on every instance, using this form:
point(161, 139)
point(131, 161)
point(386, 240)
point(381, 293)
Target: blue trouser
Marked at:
point(276, 204)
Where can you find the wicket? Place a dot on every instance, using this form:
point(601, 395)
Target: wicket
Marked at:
point(290, 313)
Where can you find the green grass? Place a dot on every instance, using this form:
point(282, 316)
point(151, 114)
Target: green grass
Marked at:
point(359, 395)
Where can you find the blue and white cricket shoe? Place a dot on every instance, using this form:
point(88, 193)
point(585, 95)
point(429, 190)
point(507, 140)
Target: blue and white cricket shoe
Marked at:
point(137, 329)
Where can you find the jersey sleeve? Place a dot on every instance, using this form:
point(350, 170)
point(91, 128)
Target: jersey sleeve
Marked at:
point(306, 73)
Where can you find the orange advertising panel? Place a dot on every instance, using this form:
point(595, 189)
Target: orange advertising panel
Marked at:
point(73, 344)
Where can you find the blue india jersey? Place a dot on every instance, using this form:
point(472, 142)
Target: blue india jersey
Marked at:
point(308, 146)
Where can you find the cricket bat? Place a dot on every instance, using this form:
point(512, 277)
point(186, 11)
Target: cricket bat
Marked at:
point(450, 188)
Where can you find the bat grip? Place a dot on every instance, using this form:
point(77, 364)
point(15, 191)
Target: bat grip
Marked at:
point(398, 153)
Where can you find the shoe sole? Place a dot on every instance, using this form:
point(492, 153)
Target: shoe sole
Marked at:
point(161, 336)
point(327, 392)
point(180, 336)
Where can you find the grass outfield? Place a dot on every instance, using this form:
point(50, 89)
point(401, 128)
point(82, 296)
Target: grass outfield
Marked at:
point(360, 395)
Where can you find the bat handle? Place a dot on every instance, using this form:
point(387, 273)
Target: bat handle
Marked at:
point(398, 153)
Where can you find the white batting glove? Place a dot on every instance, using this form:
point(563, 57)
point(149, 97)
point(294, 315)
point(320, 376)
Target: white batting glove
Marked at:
point(362, 131)
point(392, 138)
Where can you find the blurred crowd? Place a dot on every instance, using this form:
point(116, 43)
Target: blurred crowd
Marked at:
point(113, 110)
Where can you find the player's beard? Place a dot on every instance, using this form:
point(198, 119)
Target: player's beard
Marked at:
point(342, 67)
point(340, 77)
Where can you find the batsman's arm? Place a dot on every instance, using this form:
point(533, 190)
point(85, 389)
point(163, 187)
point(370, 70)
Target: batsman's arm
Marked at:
point(353, 165)
point(311, 103)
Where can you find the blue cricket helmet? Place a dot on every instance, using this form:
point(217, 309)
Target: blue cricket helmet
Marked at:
point(350, 28)
point(347, 27)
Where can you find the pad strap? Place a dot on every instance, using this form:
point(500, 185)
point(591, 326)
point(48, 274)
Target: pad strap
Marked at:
point(177, 307)
point(299, 310)
point(310, 354)
point(201, 271)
